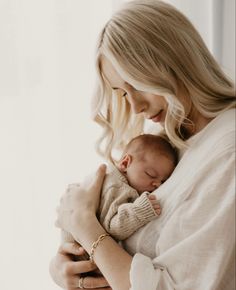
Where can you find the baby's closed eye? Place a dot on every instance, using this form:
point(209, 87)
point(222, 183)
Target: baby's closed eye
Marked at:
point(150, 174)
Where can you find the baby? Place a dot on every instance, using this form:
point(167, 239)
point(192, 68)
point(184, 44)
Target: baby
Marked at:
point(126, 203)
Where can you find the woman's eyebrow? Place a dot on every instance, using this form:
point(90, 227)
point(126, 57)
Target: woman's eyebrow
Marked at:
point(125, 83)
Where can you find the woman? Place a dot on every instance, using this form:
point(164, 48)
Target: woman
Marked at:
point(152, 61)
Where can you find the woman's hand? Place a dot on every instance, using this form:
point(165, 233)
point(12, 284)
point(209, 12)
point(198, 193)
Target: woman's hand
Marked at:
point(80, 203)
point(66, 273)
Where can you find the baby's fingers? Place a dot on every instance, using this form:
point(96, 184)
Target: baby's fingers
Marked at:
point(155, 203)
point(151, 197)
point(157, 208)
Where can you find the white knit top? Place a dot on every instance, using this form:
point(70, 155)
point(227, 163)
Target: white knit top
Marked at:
point(191, 245)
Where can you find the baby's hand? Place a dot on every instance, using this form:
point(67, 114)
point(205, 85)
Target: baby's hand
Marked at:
point(155, 204)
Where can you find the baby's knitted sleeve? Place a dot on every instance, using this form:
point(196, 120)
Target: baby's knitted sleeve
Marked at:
point(129, 217)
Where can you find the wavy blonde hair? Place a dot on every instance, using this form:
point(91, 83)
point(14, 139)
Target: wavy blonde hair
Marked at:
point(156, 49)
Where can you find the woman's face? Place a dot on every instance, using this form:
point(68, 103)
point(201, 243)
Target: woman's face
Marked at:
point(153, 107)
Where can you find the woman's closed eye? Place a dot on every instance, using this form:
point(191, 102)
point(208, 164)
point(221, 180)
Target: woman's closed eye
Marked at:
point(120, 93)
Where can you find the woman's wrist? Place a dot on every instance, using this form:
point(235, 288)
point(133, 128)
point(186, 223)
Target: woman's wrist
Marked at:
point(87, 229)
point(104, 251)
point(80, 221)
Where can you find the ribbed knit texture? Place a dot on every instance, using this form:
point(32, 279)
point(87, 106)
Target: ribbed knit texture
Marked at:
point(122, 211)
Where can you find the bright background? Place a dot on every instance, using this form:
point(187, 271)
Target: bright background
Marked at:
point(46, 135)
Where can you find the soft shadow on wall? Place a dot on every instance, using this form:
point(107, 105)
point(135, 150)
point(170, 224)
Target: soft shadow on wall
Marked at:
point(47, 137)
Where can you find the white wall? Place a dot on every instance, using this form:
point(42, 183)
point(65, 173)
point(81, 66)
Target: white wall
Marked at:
point(228, 38)
point(46, 136)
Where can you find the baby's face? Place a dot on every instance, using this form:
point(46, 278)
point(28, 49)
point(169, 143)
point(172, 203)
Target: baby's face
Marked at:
point(149, 173)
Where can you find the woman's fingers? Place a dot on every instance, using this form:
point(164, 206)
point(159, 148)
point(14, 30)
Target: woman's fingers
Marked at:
point(107, 288)
point(67, 273)
point(82, 267)
point(90, 282)
point(97, 183)
point(93, 186)
point(78, 201)
point(72, 279)
point(100, 175)
point(71, 248)
point(72, 185)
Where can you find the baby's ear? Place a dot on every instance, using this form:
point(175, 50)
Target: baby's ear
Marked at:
point(125, 162)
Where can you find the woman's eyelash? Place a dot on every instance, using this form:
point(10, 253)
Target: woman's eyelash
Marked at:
point(124, 95)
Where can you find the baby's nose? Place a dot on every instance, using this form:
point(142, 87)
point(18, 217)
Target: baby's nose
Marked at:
point(156, 184)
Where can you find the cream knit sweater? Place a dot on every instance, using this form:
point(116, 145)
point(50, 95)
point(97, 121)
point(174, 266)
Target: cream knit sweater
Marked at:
point(122, 211)
point(191, 246)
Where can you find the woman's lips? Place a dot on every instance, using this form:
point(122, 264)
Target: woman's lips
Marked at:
point(157, 118)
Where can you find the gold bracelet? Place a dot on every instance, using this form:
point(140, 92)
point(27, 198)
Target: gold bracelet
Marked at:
point(95, 244)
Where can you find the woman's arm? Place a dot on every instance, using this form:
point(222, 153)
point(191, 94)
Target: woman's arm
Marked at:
point(77, 215)
point(113, 261)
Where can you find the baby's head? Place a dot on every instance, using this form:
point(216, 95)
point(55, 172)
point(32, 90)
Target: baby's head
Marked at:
point(147, 162)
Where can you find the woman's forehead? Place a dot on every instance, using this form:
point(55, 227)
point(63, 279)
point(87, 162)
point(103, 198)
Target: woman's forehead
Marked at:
point(110, 73)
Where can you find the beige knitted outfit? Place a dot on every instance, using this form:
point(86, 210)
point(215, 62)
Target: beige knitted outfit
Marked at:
point(122, 211)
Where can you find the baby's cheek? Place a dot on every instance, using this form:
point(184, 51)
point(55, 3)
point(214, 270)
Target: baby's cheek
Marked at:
point(139, 182)
point(143, 184)
point(134, 182)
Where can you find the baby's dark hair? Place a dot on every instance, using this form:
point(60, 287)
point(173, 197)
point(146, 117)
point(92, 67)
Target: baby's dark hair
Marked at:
point(155, 143)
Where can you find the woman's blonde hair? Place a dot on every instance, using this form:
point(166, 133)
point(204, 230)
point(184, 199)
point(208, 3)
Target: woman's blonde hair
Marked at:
point(156, 49)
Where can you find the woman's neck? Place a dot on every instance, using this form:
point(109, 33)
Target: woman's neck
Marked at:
point(198, 122)
point(195, 121)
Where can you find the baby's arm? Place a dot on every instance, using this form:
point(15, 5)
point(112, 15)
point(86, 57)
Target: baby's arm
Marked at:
point(131, 216)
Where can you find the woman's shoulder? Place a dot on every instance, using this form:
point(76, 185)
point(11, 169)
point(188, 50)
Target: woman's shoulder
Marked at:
point(224, 121)
point(222, 127)
point(217, 138)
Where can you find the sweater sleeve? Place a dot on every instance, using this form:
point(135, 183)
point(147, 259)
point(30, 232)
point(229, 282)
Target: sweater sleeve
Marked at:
point(129, 217)
point(196, 247)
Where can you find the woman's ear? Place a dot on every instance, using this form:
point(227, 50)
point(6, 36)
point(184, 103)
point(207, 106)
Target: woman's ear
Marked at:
point(125, 162)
